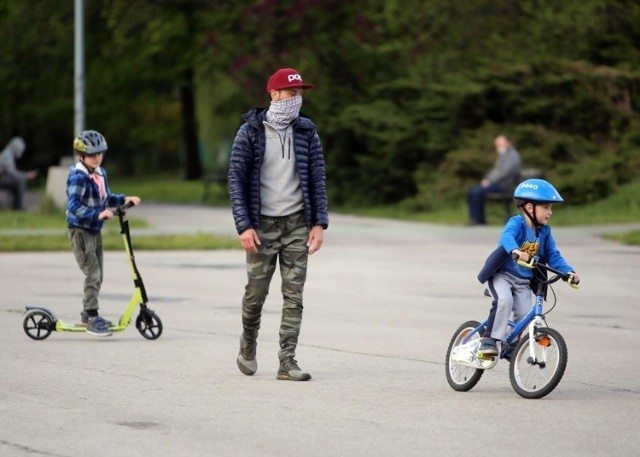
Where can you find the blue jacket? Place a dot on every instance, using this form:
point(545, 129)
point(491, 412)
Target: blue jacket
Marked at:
point(518, 235)
point(83, 199)
point(246, 163)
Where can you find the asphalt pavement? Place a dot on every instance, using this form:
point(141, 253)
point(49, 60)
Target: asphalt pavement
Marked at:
point(381, 303)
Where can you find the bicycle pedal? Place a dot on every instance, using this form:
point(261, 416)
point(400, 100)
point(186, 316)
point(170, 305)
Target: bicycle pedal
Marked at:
point(486, 357)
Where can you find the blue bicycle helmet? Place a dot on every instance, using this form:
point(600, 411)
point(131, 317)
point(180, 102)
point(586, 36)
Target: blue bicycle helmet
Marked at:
point(90, 142)
point(536, 191)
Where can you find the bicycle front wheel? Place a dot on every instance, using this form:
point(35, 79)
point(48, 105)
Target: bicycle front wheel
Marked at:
point(537, 376)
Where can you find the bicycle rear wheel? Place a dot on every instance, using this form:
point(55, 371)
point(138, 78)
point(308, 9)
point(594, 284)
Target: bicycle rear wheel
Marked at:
point(538, 376)
point(460, 377)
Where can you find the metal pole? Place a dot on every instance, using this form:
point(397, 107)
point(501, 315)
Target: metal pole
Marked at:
point(79, 68)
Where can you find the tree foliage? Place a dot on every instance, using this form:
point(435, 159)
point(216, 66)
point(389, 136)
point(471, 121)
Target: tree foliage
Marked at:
point(409, 93)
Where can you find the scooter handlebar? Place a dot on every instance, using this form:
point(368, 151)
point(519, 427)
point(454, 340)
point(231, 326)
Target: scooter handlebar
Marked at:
point(122, 209)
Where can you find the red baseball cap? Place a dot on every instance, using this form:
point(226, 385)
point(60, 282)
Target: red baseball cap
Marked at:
point(286, 78)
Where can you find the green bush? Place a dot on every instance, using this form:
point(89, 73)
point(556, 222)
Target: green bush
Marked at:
point(568, 120)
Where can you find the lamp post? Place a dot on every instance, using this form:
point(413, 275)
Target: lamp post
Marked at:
point(78, 109)
point(56, 189)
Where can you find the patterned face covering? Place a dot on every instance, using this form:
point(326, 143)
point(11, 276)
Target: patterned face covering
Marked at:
point(281, 113)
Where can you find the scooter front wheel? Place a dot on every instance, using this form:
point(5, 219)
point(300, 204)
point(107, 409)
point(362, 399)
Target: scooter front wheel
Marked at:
point(38, 325)
point(149, 325)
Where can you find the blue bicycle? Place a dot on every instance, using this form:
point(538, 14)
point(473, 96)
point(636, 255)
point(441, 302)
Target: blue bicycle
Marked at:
point(537, 353)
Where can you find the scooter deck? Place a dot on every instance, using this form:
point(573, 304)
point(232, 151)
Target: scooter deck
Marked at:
point(79, 327)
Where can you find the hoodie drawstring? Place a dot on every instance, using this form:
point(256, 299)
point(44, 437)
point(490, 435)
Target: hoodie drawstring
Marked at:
point(285, 141)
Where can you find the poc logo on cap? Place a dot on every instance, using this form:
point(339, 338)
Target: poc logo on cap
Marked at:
point(295, 77)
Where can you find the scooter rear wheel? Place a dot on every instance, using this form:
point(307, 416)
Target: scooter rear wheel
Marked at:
point(149, 325)
point(38, 325)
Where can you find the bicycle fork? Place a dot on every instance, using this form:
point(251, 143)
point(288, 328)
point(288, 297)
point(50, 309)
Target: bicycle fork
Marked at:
point(537, 322)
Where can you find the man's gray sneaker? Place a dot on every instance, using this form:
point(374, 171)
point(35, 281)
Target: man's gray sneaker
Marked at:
point(290, 371)
point(247, 357)
point(96, 326)
point(85, 318)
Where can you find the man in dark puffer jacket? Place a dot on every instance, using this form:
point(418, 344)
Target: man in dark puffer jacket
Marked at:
point(279, 202)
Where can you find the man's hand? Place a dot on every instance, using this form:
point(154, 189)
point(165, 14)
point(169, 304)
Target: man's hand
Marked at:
point(106, 214)
point(575, 279)
point(250, 241)
point(133, 199)
point(485, 183)
point(316, 238)
point(32, 174)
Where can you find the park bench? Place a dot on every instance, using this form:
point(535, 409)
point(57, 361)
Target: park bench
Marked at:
point(6, 196)
point(506, 198)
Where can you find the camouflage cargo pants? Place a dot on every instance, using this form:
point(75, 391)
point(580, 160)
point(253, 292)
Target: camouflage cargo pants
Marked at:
point(283, 240)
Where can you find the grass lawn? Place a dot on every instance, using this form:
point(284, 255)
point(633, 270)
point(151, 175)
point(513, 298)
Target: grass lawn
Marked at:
point(48, 219)
point(622, 206)
point(171, 190)
point(455, 214)
point(168, 190)
point(22, 219)
point(113, 242)
point(631, 238)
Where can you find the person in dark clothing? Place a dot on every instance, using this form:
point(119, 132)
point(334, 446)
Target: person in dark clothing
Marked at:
point(279, 203)
point(11, 178)
point(503, 177)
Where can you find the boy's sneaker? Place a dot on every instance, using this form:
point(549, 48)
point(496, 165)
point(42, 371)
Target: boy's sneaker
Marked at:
point(247, 362)
point(487, 347)
point(96, 326)
point(84, 317)
point(290, 371)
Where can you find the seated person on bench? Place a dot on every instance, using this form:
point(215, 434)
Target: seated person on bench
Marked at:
point(503, 177)
point(11, 178)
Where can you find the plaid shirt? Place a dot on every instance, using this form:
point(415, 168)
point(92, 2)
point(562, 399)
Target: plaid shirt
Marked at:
point(84, 204)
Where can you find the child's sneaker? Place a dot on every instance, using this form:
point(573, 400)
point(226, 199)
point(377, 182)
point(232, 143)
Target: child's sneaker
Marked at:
point(85, 318)
point(290, 371)
point(488, 346)
point(96, 326)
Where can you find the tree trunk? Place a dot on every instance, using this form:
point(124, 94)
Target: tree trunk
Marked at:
point(193, 167)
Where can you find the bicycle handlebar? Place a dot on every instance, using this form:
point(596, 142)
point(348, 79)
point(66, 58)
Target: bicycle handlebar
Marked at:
point(533, 263)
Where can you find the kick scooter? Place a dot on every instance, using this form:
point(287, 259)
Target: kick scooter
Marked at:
point(40, 322)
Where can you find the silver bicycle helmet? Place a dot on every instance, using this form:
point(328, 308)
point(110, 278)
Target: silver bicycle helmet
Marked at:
point(90, 142)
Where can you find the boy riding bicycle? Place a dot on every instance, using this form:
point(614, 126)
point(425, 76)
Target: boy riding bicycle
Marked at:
point(526, 235)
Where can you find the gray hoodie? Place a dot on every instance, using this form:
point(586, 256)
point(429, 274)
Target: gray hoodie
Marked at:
point(506, 171)
point(9, 155)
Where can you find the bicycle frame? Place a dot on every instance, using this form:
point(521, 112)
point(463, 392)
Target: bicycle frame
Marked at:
point(534, 318)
